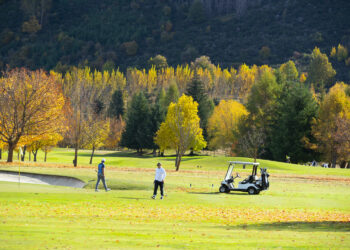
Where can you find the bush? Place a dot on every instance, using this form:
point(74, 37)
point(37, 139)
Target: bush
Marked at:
point(264, 52)
point(31, 26)
point(130, 48)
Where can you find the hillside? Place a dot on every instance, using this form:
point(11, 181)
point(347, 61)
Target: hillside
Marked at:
point(127, 33)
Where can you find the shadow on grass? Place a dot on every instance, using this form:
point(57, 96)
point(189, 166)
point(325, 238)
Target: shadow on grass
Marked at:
point(218, 193)
point(127, 154)
point(183, 159)
point(322, 226)
point(203, 193)
point(119, 186)
point(132, 198)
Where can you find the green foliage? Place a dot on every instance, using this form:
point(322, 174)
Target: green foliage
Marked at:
point(262, 97)
point(158, 61)
point(203, 62)
point(97, 30)
point(138, 134)
point(321, 72)
point(342, 53)
point(205, 104)
point(261, 104)
point(172, 94)
point(116, 107)
point(196, 12)
point(108, 66)
point(289, 71)
point(292, 121)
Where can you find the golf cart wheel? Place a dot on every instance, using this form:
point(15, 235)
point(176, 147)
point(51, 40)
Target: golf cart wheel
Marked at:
point(251, 191)
point(223, 189)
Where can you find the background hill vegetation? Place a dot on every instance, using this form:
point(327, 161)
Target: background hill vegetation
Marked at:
point(105, 34)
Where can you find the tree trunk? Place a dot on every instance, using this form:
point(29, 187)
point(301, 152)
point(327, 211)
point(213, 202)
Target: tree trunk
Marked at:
point(154, 152)
point(75, 161)
point(348, 166)
point(0, 153)
point(45, 156)
point(30, 155)
point(334, 159)
point(10, 153)
point(178, 159)
point(35, 153)
point(92, 154)
point(343, 164)
point(24, 152)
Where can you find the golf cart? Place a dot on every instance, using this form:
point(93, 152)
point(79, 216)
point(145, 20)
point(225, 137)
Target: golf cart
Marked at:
point(253, 184)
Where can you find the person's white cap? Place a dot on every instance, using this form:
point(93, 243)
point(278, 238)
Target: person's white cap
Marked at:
point(103, 160)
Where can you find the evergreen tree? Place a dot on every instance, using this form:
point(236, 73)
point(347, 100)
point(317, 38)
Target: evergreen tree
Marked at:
point(158, 113)
point(116, 107)
point(138, 134)
point(205, 104)
point(172, 94)
point(292, 125)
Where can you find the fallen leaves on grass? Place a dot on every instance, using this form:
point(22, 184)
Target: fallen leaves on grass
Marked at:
point(137, 212)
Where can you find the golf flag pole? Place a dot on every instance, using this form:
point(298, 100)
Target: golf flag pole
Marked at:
point(19, 174)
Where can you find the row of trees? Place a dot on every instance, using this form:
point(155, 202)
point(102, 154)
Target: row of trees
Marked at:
point(254, 111)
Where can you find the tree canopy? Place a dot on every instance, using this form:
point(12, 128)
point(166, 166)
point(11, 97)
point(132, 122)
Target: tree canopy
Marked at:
point(31, 104)
point(181, 130)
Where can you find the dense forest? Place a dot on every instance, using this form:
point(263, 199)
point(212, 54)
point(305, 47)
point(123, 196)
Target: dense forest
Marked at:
point(109, 34)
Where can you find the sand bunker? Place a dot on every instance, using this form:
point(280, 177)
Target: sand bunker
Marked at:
point(41, 179)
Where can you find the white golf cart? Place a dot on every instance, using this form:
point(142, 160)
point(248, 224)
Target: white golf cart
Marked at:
point(253, 184)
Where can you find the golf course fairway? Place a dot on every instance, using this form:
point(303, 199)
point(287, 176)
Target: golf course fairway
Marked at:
point(305, 207)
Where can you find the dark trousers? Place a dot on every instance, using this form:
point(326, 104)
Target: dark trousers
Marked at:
point(161, 185)
point(101, 177)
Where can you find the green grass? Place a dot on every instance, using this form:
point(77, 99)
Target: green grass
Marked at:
point(203, 163)
point(300, 210)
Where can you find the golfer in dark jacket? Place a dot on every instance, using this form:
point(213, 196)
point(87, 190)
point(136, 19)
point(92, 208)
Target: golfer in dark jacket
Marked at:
point(101, 175)
point(159, 181)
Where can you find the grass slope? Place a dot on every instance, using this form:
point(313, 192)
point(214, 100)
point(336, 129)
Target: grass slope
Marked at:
point(64, 157)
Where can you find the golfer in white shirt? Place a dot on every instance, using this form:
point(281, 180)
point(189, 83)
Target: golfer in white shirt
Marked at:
point(159, 181)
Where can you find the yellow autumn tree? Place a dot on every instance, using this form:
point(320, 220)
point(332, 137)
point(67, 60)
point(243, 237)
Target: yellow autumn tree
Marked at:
point(332, 125)
point(96, 131)
point(116, 128)
point(45, 143)
point(2, 146)
point(31, 104)
point(49, 142)
point(181, 130)
point(244, 81)
point(88, 93)
point(223, 124)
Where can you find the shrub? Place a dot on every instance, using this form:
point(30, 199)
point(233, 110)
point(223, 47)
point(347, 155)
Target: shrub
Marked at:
point(130, 48)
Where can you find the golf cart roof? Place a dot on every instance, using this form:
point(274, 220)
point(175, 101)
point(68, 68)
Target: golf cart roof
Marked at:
point(244, 163)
